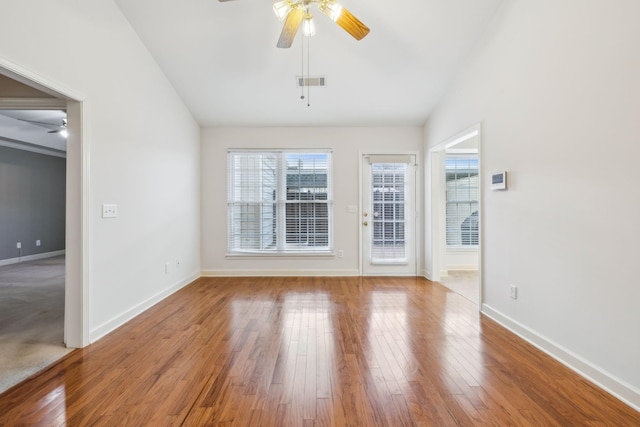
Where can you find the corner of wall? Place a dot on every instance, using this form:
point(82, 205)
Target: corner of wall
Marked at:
point(119, 320)
point(613, 385)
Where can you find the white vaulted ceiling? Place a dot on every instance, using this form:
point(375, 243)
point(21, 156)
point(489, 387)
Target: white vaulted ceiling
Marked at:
point(222, 59)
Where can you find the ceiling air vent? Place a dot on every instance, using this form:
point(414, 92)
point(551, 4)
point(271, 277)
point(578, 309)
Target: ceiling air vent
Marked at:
point(317, 81)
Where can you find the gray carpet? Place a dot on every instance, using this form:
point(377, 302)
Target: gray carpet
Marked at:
point(31, 318)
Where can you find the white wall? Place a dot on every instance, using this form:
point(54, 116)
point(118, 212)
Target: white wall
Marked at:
point(461, 259)
point(346, 143)
point(556, 87)
point(143, 144)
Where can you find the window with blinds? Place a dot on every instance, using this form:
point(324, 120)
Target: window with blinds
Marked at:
point(462, 193)
point(388, 185)
point(279, 202)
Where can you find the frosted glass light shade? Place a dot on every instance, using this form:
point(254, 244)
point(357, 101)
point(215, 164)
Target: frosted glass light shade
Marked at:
point(308, 27)
point(332, 9)
point(282, 9)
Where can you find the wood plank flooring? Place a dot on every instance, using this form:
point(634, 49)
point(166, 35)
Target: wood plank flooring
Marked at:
point(311, 352)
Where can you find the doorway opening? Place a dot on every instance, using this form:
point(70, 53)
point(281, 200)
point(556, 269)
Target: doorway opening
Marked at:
point(456, 214)
point(37, 107)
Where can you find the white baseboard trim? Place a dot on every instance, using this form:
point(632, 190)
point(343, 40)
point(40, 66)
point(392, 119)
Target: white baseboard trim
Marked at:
point(613, 385)
point(109, 326)
point(426, 274)
point(31, 257)
point(390, 275)
point(279, 273)
point(468, 267)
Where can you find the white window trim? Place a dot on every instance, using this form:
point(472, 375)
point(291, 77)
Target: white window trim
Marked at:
point(282, 252)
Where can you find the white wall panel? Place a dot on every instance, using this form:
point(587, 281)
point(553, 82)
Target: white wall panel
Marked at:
point(347, 145)
point(555, 85)
point(143, 142)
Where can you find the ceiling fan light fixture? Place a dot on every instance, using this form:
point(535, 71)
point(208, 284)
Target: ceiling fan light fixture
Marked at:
point(332, 9)
point(282, 9)
point(308, 27)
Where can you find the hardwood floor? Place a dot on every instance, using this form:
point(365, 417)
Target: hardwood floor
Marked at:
point(311, 352)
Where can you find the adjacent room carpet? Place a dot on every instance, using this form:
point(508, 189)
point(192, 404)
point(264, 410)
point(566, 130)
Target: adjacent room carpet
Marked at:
point(31, 318)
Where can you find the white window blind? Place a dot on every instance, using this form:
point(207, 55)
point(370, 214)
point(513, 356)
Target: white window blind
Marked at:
point(388, 186)
point(462, 193)
point(279, 202)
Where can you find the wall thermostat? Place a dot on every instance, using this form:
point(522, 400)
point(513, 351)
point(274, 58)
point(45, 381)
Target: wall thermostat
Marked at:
point(499, 180)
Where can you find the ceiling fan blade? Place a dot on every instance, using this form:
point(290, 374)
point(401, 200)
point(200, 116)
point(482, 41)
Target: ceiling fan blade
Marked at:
point(348, 22)
point(290, 28)
point(44, 124)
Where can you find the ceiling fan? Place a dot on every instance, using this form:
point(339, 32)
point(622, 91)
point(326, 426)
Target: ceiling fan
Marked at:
point(57, 128)
point(298, 12)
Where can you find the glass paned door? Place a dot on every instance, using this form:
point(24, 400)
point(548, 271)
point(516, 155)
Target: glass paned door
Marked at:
point(388, 215)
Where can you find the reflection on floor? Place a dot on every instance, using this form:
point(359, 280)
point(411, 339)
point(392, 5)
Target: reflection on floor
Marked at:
point(311, 351)
point(31, 318)
point(465, 283)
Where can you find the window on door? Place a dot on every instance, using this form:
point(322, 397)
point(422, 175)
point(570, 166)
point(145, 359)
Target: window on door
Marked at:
point(279, 202)
point(462, 204)
point(388, 182)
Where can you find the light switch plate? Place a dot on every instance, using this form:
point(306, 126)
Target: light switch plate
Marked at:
point(109, 211)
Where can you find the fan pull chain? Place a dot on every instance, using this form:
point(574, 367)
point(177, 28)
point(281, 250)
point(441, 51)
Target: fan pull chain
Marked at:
point(308, 71)
point(305, 81)
point(302, 69)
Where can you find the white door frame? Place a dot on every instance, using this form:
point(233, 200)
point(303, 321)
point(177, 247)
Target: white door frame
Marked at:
point(438, 242)
point(362, 154)
point(76, 311)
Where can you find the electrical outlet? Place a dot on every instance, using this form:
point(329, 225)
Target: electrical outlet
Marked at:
point(340, 253)
point(177, 264)
point(109, 211)
point(513, 291)
point(19, 245)
point(38, 242)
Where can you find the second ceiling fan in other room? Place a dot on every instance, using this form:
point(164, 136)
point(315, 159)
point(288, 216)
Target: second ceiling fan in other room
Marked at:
point(55, 128)
point(295, 13)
